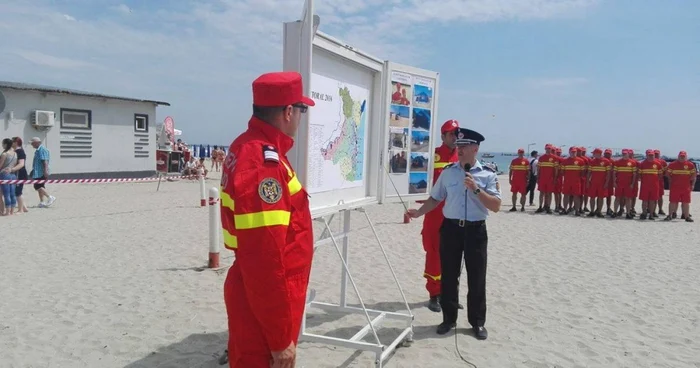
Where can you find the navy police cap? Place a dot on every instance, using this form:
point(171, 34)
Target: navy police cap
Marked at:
point(467, 136)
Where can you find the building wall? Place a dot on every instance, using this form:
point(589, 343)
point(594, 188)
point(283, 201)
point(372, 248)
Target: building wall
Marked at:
point(109, 148)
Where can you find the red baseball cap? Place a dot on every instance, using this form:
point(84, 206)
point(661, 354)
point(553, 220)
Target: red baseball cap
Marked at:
point(682, 153)
point(449, 126)
point(650, 152)
point(573, 149)
point(582, 149)
point(608, 150)
point(279, 89)
point(548, 145)
point(521, 150)
point(630, 151)
point(657, 151)
point(597, 150)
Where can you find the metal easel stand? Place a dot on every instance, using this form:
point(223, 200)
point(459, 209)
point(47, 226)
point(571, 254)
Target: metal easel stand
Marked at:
point(374, 317)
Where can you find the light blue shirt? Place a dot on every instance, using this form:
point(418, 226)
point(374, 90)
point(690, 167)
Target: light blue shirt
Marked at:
point(450, 188)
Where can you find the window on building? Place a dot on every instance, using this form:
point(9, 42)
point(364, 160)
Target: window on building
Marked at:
point(76, 119)
point(140, 122)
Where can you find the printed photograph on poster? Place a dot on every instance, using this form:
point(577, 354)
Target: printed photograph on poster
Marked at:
point(420, 141)
point(398, 116)
point(400, 93)
point(398, 161)
point(422, 96)
point(419, 161)
point(398, 138)
point(421, 119)
point(417, 183)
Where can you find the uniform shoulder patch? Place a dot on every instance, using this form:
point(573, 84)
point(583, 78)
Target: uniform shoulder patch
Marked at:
point(270, 154)
point(270, 190)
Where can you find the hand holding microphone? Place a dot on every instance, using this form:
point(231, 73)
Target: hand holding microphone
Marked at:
point(469, 182)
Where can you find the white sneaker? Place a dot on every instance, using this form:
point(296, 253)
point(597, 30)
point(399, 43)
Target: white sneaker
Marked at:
point(41, 205)
point(50, 201)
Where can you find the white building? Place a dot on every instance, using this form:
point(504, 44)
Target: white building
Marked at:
point(89, 135)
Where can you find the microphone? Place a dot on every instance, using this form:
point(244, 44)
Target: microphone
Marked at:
point(467, 167)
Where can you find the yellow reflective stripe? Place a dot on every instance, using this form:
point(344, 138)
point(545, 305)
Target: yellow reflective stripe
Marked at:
point(519, 167)
point(440, 165)
point(547, 164)
point(226, 200)
point(435, 278)
point(294, 185)
point(649, 171)
point(261, 219)
point(230, 241)
point(597, 168)
point(681, 172)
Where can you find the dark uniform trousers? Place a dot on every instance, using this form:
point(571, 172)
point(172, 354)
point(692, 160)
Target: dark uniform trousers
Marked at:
point(468, 238)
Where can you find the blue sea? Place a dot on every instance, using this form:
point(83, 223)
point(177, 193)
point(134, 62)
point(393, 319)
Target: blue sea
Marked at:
point(501, 159)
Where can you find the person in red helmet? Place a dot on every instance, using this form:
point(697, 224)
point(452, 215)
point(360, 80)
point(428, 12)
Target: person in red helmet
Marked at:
point(607, 155)
point(649, 171)
point(430, 234)
point(518, 177)
point(664, 164)
point(269, 229)
point(597, 182)
point(681, 176)
point(547, 168)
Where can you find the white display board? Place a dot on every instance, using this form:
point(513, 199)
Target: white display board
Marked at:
point(339, 140)
point(411, 132)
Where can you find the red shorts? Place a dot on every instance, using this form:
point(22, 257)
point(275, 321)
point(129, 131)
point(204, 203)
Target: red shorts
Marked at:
point(597, 191)
point(572, 187)
point(546, 186)
point(557, 186)
point(649, 193)
point(624, 191)
point(679, 195)
point(518, 186)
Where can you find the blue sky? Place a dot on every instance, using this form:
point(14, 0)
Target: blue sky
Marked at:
point(588, 72)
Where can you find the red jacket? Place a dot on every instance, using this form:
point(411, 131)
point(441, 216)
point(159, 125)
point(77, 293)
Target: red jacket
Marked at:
point(266, 221)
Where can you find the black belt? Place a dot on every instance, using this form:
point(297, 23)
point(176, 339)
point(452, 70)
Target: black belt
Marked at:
point(465, 223)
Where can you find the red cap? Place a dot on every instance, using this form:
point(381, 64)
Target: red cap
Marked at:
point(682, 153)
point(608, 150)
point(630, 151)
point(279, 89)
point(521, 150)
point(582, 149)
point(650, 152)
point(597, 150)
point(449, 126)
point(548, 145)
point(657, 152)
point(573, 149)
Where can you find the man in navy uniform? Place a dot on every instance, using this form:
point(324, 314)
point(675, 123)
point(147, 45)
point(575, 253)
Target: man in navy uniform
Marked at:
point(470, 190)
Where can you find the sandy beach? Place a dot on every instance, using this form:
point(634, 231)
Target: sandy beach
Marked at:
point(113, 276)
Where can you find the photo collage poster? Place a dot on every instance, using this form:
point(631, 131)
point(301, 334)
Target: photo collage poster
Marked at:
point(410, 120)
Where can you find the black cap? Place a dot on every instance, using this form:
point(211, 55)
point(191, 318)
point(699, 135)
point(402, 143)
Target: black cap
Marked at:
point(467, 136)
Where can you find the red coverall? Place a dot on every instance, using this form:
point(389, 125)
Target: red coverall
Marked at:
point(270, 230)
point(572, 168)
point(649, 171)
point(444, 155)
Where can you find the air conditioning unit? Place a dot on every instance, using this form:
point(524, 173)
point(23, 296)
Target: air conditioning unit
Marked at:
point(43, 118)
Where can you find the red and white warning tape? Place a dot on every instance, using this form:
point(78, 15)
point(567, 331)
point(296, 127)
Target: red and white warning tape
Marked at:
point(93, 181)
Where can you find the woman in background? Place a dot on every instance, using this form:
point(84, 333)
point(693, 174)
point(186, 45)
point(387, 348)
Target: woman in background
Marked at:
point(8, 159)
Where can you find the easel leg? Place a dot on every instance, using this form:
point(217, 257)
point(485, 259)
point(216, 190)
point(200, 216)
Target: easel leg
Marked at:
point(160, 176)
point(343, 274)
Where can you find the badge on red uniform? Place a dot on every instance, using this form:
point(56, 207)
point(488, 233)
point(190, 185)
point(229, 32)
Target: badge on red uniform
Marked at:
point(270, 154)
point(270, 190)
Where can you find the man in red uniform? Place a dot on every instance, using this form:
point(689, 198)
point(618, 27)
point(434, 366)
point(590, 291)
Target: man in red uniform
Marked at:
point(607, 155)
point(518, 179)
point(636, 182)
point(547, 166)
point(269, 229)
point(558, 182)
point(444, 155)
point(649, 170)
point(681, 181)
point(584, 177)
point(623, 182)
point(597, 182)
point(572, 169)
point(663, 163)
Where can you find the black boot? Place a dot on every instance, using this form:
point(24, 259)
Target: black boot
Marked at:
point(434, 304)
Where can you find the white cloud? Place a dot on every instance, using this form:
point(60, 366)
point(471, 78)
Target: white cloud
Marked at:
point(202, 55)
point(556, 82)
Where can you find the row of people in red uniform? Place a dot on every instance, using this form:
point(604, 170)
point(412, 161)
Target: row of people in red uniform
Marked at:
point(575, 179)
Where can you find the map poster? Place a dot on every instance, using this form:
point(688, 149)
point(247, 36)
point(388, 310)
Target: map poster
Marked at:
point(337, 127)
